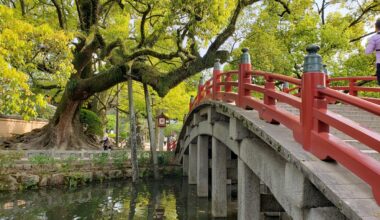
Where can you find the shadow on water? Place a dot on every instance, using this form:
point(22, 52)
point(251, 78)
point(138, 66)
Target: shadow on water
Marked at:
point(164, 199)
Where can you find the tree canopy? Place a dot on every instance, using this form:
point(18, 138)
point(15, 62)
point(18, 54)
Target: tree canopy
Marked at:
point(70, 53)
point(279, 34)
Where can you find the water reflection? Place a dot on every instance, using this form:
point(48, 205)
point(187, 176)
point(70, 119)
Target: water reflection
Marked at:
point(165, 199)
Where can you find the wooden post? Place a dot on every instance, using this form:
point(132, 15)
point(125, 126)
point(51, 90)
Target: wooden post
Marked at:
point(313, 78)
point(216, 79)
point(244, 77)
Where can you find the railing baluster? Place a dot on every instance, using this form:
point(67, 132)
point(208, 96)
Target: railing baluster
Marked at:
point(352, 90)
point(268, 100)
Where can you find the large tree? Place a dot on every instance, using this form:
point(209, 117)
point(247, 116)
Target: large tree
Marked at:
point(155, 42)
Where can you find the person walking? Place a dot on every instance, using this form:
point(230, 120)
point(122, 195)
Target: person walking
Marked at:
point(106, 142)
point(374, 46)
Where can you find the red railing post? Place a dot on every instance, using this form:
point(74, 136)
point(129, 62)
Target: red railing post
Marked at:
point(216, 80)
point(244, 76)
point(312, 79)
point(352, 91)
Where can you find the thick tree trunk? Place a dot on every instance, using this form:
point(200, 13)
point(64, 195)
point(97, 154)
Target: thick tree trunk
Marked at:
point(151, 132)
point(133, 142)
point(64, 131)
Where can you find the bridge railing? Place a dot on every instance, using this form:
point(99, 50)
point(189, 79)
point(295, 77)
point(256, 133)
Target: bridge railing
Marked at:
point(353, 86)
point(311, 127)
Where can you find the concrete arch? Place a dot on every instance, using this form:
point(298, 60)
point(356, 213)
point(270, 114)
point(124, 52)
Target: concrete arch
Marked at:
point(267, 152)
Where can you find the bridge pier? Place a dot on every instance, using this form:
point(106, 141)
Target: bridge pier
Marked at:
point(202, 166)
point(185, 165)
point(219, 179)
point(193, 148)
point(300, 191)
point(248, 193)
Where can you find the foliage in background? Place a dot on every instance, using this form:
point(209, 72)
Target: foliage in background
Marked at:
point(31, 58)
point(173, 128)
point(175, 104)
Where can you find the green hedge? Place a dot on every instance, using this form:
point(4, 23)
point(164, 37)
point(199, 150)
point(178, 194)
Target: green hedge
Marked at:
point(94, 124)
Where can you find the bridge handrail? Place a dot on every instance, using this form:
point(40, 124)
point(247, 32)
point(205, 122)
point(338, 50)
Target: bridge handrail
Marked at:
point(276, 76)
point(353, 87)
point(311, 127)
point(352, 78)
point(352, 100)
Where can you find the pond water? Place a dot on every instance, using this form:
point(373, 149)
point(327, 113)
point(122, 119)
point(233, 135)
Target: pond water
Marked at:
point(173, 199)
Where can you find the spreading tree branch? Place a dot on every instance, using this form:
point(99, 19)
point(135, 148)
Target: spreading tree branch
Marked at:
point(59, 14)
point(142, 26)
point(85, 88)
point(285, 6)
point(361, 37)
point(83, 57)
point(364, 11)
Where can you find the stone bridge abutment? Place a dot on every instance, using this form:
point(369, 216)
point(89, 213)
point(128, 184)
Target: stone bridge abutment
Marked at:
point(222, 146)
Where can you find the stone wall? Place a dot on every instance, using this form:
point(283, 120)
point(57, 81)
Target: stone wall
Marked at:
point(25, 175)
point(10, 125)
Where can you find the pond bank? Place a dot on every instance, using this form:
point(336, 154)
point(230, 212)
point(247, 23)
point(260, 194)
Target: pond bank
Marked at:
point(41, 170)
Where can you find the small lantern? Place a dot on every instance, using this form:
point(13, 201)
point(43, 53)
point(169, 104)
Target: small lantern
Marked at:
point(161, 119)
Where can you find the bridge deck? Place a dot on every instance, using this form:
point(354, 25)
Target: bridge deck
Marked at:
point(351, 195)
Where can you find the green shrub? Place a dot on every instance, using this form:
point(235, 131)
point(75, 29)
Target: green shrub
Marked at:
point(165, 158)
point(8, 158)
point(143, 158)
point(101, 159)
point(67, 163)
point(120, 158)
point(93, 122)
point(74, 179)
point(41, 159)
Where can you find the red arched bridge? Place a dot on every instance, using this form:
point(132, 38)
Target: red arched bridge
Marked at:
point(308, 148)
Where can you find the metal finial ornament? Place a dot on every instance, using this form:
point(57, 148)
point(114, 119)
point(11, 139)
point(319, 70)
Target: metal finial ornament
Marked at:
point(313, 61)
point(245, 58)
point(217, 65)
